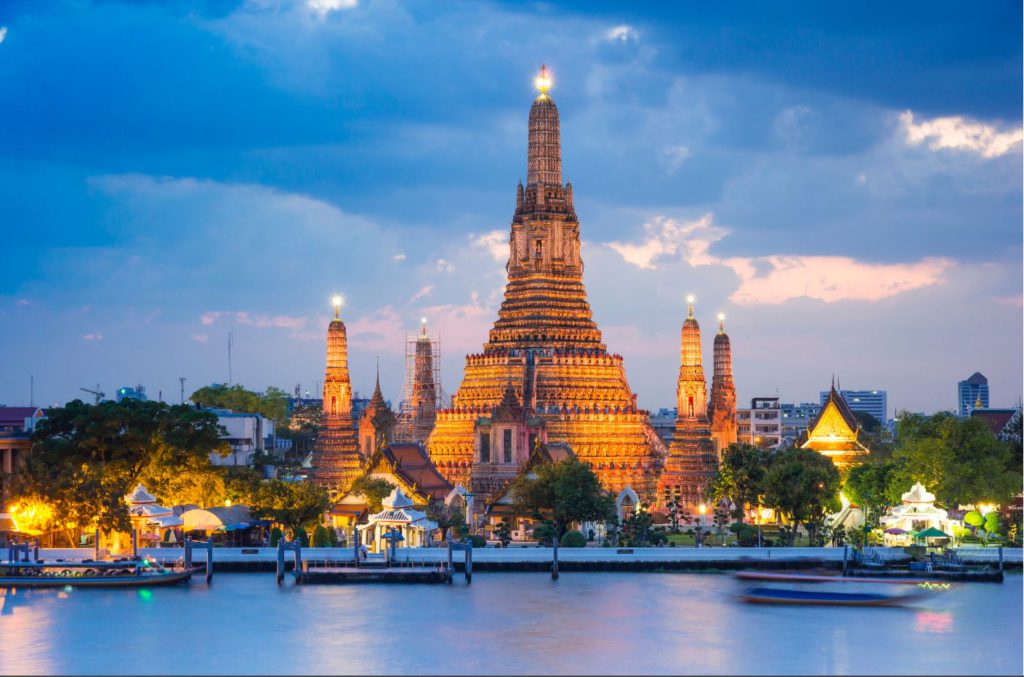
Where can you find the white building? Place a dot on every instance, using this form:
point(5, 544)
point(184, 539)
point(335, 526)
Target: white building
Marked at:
point(246, 434)
point(761, 425)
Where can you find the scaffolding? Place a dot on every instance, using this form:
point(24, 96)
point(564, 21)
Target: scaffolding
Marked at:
point(422, 393)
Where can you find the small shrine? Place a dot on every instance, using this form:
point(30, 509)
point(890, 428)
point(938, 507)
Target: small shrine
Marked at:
point(397, 514)
point(916, 516)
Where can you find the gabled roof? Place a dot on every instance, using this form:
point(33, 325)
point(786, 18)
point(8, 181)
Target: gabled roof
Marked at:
point(542, 454)
point(15, 416)
point(977, 379)
point(995, 419)
point(835, 402)
point(411, 465)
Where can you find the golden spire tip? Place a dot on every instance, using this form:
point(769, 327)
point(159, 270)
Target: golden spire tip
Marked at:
point(543, 81)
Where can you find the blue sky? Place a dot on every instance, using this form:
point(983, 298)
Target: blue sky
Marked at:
point(844, 183)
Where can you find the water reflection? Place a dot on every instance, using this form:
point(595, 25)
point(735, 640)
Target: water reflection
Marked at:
point(503, 623)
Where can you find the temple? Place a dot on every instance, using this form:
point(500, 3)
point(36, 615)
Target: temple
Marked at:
point(376, 423)
point(421, 394)
point(336, 460)
point(692, 461)
point(722, 410)
point(544, 375)
point(834, 432)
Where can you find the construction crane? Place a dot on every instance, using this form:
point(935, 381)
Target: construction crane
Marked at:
point(98, 394)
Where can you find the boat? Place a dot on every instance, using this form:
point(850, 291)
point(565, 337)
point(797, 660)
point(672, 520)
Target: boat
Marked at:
point(823, 598)
point(811, 578)
point(123, 574)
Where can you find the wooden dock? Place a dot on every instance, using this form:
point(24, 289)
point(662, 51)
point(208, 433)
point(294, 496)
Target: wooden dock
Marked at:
point(363, 574)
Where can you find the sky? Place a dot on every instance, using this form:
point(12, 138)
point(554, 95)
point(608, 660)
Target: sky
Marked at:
point(842, 181)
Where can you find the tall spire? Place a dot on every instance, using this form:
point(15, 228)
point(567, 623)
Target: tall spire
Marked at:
point(692, 389)
point(722, 408)
point(544, 156)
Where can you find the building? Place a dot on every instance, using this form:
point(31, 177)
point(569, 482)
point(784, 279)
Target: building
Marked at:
point(128, 393)
point(796, 418)
point(722, 410)
point(969, 391)
point(874, 402)
point(761, 425)
point(999, 421)
point(834, 432)
point(246, 434)
point(376, 423)
point(336, 461)
point(692, 460)
point(547, 349)
point(664, 423)
point(421, 393)
point(16, 427)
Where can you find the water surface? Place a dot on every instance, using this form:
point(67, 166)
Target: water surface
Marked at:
point(503, 623)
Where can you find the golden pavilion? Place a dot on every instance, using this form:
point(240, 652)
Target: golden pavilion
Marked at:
point(834, 432)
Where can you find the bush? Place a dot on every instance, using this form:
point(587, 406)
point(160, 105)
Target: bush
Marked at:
point(321, 539)
point(572, 539)
point(974, 518)
point(737, 527)
point(657, 537)
point(747, 536)
point(302, 537)
point(275, 537)
point(477, 541)
point(544, 534)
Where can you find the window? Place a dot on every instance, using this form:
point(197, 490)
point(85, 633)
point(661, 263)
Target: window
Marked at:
point(691, 406)
point(533, 441)
point(538, 249)
point(334, 405)
point(485, 447)
point(507, 445)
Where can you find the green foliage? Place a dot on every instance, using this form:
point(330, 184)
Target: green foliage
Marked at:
point(741, 475)
point(375, 489)
point(477, 541)
point(636, 529)
point(446, 516)
point(974, 518)
point(564, 492)
point(572, 539)
point(294, 505)
point(868, 423)
point(802, 485)
point(503, 532)
point(273, 403)
point(275, 536)
point(992, 523)
point(960, 460)
point(867, 484)
point(747, 535)
point(321, 537)
point(85, 458)
point(302, 537)
point(544, 534)
point(737, 527)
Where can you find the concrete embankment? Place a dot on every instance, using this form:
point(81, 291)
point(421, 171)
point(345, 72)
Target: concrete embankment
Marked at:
point(570, 559)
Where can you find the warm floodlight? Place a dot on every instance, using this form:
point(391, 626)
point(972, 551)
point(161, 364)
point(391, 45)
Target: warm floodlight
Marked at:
point(690, 298)
point(543, 81)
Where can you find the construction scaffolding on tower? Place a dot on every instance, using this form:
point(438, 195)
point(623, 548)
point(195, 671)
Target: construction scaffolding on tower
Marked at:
point(422, 393)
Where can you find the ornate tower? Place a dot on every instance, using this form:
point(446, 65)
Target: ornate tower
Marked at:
point(336, 458)
point(424, 388)
point(722, 411)
point(691, 461)
point(546, 344)
point(377, 422)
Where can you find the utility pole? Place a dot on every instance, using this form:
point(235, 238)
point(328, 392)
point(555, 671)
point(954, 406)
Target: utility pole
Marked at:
point(31, 390)
point(181, 379)
point(231, 340)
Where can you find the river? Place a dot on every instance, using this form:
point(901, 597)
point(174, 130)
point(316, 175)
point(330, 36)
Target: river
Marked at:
point(503, 623)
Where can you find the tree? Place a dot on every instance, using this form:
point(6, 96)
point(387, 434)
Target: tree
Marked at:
point(636, 529)
point(374, 489)
point(503, 532)
point(564, 492)
point(272, 403)
point(741, 475)
point(446, 516)
point(959, 460)
point(86, 458)
point(802, 485)
point(293, 505)
point(572, 539)
point(867, 485)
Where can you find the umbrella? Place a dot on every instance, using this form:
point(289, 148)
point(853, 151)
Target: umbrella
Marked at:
point(895, 531)
point(932, 532)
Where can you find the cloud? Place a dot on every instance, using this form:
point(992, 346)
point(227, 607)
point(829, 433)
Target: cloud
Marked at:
point(495, 241)
point(381, 330)
point(21, 303)
point(3, 33)
point(93, 337)
point(673, 157)
point(400, 256)
point(201, 337)
point(260, 321)
point(622, 33)
point(325, 7)
point(210, 318)
point(463, 326)
point(1017, 300)
point(445, 266)
point(423, 291)
point(667, 237)
point(776, 279)
point(960, 133)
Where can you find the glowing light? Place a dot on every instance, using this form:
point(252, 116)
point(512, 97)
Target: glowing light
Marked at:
point(844, 500)
point(30, 517)
point(227, 502)
point(145, 595)
point(690, 298)
point(423, 320)
point(543, 81)
point(721, 317)
point(985, 508)
point(702, 508)
point(337, 300)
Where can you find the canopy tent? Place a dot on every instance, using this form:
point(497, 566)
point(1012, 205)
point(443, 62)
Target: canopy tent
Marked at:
point(219, 518)
point(932, 532)
point(896, 531)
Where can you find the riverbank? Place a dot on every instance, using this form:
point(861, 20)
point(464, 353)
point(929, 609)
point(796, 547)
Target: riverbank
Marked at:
point(569, 559)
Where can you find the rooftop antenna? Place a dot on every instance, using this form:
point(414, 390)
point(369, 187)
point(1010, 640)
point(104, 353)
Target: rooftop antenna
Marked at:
point(181, 380)
point(31, 390)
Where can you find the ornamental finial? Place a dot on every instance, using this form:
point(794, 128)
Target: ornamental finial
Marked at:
point(690, 299)
point(543, 81)
point(721, 323)
point(336, 302)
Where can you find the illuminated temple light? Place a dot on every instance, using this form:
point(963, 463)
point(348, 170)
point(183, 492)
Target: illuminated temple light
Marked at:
point(543, 81)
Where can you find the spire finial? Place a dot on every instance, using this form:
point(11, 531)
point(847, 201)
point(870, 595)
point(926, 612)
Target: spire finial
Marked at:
point(423, 321)
point(336, 302)
point(378, 372)
point(543, 81)
point(689, 300)
point(833, 380)
point(721, 323)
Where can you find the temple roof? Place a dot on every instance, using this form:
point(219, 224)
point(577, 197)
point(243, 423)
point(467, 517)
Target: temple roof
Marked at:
point(140, 495)
point(995, 419)
point(835, 401)
point(411, 463)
